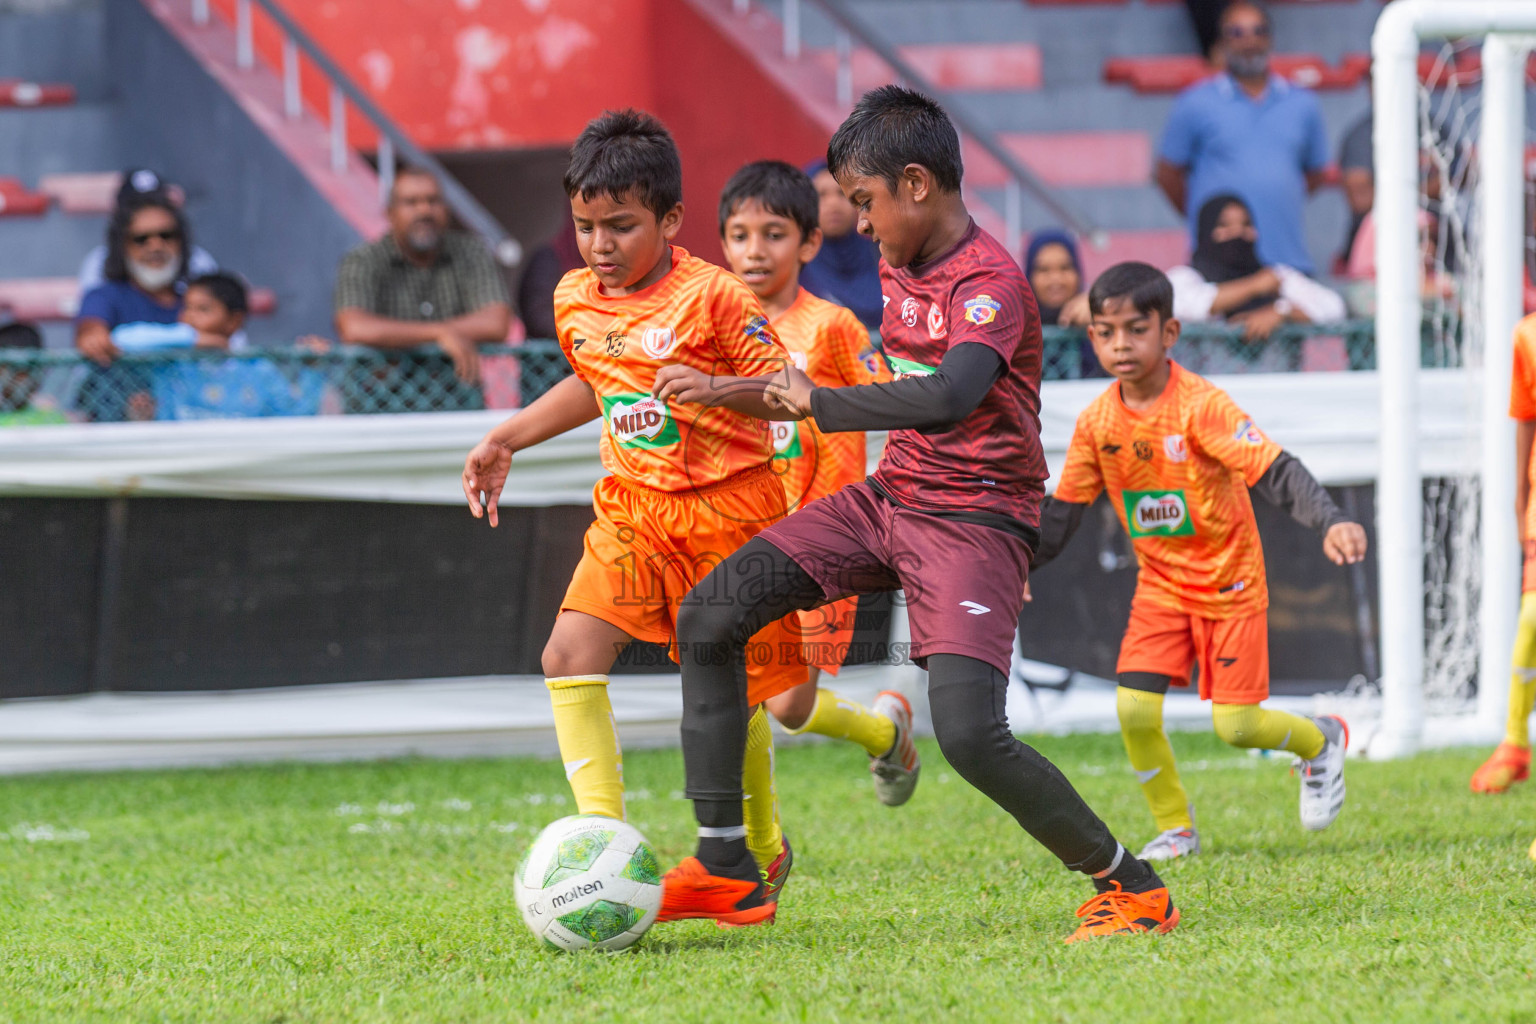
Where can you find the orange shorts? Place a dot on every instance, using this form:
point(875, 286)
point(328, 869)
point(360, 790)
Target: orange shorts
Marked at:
point(648, 548)
point(1528, 577)
point(1233, 654)
point(826, 632)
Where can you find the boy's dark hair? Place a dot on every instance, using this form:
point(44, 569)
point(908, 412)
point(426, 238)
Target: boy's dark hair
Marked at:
point(1140, 284)
point(228, 289)
point(116, 266)
point(891, 127)
point(626, 153)
point(781, 188)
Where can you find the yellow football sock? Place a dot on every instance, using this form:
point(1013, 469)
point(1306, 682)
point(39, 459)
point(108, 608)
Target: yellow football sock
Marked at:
point(843, 719)
point(1141, 726)
point(589, 743)
point(1249, 725)
point(760, 804)
point(1522, 680)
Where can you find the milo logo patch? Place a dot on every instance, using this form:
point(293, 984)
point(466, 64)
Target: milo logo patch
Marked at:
point(907, 368)
point(786, 439)
point(1158, 514)
point(639, 421)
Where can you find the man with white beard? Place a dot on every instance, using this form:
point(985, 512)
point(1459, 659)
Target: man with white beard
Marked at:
point(146, 259)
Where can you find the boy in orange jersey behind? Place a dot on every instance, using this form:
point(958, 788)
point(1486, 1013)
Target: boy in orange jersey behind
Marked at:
point(1510, 762)
point(1178, 458)
point(673, 353)
point(768, 228)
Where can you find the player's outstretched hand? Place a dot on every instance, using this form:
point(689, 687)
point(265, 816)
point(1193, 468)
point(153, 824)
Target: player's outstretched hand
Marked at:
point(1344, 544)
point(678, 383)
point(790, 392)
point(485, 473)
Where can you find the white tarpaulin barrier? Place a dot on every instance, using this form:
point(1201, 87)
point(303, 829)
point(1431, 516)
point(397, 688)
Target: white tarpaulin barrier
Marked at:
point(1328, 420)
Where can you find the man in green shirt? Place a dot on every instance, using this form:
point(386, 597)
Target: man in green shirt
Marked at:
point(422, 284)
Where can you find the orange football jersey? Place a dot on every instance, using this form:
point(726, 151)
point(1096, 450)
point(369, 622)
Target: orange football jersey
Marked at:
point(698, 315)
point(827, 342)
point(1178, 476)
point(1522, 406)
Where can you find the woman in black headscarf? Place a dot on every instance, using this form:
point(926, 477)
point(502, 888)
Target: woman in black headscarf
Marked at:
point(1225, 280)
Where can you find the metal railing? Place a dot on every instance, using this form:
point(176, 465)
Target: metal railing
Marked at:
point(393, 143)
point(849, 27)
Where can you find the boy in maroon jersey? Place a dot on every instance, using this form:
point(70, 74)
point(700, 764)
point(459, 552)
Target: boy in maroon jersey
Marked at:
point(951, 516)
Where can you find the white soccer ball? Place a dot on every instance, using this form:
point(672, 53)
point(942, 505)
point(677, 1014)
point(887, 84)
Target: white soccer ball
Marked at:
point(589, 882)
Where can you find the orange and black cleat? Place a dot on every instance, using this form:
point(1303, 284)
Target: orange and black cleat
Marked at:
point(1126, 913)
point(1507, 765)
point(689, 891)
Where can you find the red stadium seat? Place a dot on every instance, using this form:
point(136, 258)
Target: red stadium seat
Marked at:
point(1162, 248)
point(82, 193)
point(1069, 159)
point(40, 298)
point(961, 66)
point(16, 200)
point(1171, 74)
point(16, 93)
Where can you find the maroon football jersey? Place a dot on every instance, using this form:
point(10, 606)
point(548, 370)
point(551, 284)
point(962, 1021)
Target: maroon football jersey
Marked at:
point(992, 460)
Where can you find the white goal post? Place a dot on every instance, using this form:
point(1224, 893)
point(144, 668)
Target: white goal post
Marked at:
point(1508, 30)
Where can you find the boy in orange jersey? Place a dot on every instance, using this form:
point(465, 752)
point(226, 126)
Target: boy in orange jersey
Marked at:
point(1511, 760)
point(768, 227)
point(1178, 458)
point(645, 325)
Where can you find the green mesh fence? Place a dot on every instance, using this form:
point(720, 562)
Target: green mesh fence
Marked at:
point(1218, 348)
point(44, 387)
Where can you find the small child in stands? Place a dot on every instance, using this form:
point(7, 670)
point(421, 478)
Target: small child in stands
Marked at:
point(20, 405)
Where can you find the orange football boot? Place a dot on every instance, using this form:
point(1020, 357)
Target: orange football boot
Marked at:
point(689, 890)
point(1126, 913)
point(1507, 765)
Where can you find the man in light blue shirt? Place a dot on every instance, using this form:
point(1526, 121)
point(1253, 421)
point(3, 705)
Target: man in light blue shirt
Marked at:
point(1250, 132)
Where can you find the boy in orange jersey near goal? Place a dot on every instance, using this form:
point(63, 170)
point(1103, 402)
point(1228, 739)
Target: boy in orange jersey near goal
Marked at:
point(1511, 760)
point(1178, 460)
point(768, 228)
point(673, 354)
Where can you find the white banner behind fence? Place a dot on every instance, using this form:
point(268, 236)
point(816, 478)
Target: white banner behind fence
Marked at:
point(1331, 421)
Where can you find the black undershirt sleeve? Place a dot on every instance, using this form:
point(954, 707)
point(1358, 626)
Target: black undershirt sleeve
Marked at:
point(930, 404)
point(1059, 520)
point(1288, 484)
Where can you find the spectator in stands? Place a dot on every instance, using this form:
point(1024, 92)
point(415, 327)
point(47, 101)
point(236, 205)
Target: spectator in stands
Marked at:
point(1056, 277)
point(20, 405)
point(139, 182)
point(536, 305)
point(1055, 274)
point(1227, 280)
point(147, 244)
point(847, 269)
point(423, 284)
point(1247, 130)
point(1357, 173)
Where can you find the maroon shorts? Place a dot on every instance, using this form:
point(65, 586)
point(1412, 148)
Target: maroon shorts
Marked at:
point(964, 582)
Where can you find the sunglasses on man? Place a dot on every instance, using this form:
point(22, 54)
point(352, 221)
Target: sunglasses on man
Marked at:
point(1240, 31)
point(164, 236)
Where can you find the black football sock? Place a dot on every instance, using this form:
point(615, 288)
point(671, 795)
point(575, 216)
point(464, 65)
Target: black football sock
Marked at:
point(723, 847)
point(1132, 873)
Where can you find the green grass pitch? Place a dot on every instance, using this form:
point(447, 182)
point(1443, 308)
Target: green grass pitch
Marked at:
point(383, 892)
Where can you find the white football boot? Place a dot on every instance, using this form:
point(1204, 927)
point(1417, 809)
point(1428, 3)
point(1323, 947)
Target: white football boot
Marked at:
point(1322, 778)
